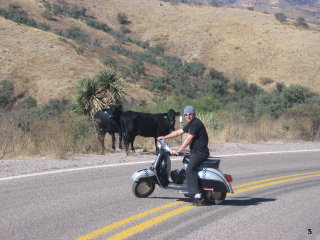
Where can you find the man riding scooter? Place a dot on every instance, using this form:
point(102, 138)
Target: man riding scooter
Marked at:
point(198, 140)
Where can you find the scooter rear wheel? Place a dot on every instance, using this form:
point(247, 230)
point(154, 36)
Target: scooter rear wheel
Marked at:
point(215, 198)
point(143, 188)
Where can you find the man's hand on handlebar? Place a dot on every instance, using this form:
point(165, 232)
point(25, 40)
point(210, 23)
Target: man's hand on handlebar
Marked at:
point(174, 152)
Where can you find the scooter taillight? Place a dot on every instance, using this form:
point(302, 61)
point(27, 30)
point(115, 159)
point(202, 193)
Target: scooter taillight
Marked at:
point(228, 178)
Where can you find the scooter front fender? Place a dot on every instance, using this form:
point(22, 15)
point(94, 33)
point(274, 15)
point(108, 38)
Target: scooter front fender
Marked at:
point(143, 173)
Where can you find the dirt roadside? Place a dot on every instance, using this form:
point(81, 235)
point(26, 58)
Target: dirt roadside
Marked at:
point(14, 167)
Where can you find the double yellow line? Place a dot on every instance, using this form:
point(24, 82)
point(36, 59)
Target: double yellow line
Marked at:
point(153, 221)
point(273, 181)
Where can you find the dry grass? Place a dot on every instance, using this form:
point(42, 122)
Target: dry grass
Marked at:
point(70, 134)
point(255, 132)
point(60, 137)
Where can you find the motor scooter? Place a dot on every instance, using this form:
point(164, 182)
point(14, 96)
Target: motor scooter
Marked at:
point(213, 183)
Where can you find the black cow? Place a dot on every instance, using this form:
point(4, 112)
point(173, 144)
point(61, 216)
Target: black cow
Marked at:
point(146, 124)
point(108, 121)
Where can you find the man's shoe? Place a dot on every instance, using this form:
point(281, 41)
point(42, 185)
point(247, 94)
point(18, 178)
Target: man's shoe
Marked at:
point(199, 202)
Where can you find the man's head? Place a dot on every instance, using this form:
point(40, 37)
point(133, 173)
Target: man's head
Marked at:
point(189, 113)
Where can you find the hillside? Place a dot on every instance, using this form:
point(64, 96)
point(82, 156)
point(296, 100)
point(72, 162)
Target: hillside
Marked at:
point(308, 9)
point(241, 43)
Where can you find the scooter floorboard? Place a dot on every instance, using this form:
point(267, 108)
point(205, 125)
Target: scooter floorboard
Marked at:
point(175, 186)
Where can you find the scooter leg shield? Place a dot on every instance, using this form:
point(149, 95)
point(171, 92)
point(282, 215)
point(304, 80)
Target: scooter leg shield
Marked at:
point(143, 173)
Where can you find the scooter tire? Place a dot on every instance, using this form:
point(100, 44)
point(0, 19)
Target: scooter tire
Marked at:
point(214, 198)
point(143, 188)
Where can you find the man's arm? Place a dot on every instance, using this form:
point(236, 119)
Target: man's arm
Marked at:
point(172, 134)
point(185, 144)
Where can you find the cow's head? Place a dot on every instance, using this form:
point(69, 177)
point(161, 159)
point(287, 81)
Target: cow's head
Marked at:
point(172, 119)
point(115, 111)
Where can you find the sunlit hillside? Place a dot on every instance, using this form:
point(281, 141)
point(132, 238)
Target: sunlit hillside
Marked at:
point(242, 44)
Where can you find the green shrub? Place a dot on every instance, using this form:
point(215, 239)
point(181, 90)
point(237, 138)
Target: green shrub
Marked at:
point(16, 14)
point(110, 61)
point(265, 80)
point(76, 12)
point(279, 87)
point(57, 9)
point(44, 26)
point(2, 12)
point(216, 75)
point(48, 15)
point(170, 64)
point(239, 85)
point(50, 110)
point(195, 69)
point(125, 30)
point(158, 84)
point(124, 71)
point(138, 67)
point(207, 104)
point(280, 17)
point(216, 83)
point(98, 25)
point(122, 18)
point(139, 56)
point(158, 50)
point(6, 94)
point(215, 87)
point(301, 22)
point(244, 89)
point(74, 33)
point(295, 94)
point(28, 103)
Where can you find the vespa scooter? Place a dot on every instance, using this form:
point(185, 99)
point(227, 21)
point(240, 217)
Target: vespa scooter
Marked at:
point(214, 184)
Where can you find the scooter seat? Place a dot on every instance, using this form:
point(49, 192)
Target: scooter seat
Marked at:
point(211, 162)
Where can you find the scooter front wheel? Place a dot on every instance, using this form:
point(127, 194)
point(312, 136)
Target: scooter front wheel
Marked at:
point(143, 188)
point(215, 198)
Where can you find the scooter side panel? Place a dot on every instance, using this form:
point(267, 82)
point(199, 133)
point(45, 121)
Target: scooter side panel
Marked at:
point(214, 178)
point(217, 186)
point(143, 173)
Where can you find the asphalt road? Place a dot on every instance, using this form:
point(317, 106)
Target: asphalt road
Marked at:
point(98, 204)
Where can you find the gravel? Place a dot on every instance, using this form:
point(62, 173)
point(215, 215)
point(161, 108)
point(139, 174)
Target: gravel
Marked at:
point(14, 167)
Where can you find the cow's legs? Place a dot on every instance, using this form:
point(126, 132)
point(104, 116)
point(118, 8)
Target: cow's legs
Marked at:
point(120, 140)
point(113, 145)
point(132, 140)
point(126, 142)
point(155, 143)
point(101, 136)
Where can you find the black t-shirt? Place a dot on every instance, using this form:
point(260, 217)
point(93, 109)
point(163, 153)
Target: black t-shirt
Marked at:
point(200, 141)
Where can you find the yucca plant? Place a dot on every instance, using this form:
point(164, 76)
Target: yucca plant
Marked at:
point(96, 93)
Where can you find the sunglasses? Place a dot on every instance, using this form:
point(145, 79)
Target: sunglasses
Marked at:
point(189, 114)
